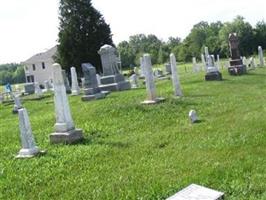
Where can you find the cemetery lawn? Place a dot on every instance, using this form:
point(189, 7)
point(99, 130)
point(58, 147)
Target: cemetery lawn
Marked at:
point(135, 151)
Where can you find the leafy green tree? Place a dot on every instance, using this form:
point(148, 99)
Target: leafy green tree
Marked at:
point(82, 32)
point(260, 34)
point(126, 53)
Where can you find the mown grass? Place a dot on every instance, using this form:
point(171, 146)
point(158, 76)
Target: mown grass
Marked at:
point(133, 151)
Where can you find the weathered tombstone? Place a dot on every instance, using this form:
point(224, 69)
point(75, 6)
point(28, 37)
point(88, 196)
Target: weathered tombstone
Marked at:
point(142, 72)
point(193, 116)
point(203, 62)
point(17, 104)
point(236, 64)
point(29, 148)
point(91, 87)
point(218, 62)
point(66, 82)
point(29, 88)
point(149, 81)
point(212, 71)
point(46, 86)
point(112, 80)
point(195, 67)
point(168, 68)
point(175, 77)
point(75, 90)
point(158, 73)
point(197, 192)
point(244, 60)
point(134, 81)
point(38, 90)
point(252, 63)
point(261, 58)
point(65, 131)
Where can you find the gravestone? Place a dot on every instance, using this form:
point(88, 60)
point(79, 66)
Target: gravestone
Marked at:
point(195, 67)
point(46, 86)
point(29, 88)
point(75, 90)
point(111, 80)
point(252, 63)
point(66, 82)
point(218, 62)
point(168, 68)
point(65, 131)
point(38, 90)
point(193, 116)
point(197, 192)
point(29, 148)
point(175, 77)
point(261, 58)
point(236, 64)
point(149, 81)
point(158, 73)
point(244, 60)
point(203, 62)
point(142, 72)
point(17, 104)
point(134, 81)
point(212, 71)
point(91, 87)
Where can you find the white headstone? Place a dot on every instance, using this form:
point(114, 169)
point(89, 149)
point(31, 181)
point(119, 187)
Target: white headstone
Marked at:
point(65, 131)
point(193, 116)
point(244, 60)
point(133, 81)
point(203, 61)
point(261, 58)
point(29, 148)
point(17, 104)
point(197, 192)
point(98, 77)
point(142, 72)
point(75, 90)
point(175, 77)
point(218, 62)
point(149, 81)
point(195, 65)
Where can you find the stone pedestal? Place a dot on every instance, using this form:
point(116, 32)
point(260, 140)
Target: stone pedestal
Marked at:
point(213, 76)
point(175, 77)
point(65, 131)
point(29, 148)
point(91, 88)
point(149, 81)
point(112, 80)
point(236, 64)
point(74, 82)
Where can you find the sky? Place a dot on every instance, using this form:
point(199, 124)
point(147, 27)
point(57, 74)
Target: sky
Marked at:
point(31, 26)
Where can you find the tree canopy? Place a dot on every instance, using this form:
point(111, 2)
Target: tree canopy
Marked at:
point(82, 32)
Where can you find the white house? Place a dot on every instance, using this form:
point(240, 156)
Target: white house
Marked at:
point(38, 68)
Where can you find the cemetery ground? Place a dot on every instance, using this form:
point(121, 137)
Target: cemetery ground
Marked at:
point(135, 151)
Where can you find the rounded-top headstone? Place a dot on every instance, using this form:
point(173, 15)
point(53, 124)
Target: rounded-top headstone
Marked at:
point(57, 74)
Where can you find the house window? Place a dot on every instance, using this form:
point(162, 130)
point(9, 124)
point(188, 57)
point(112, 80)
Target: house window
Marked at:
point(33, 67)
point(43, 65)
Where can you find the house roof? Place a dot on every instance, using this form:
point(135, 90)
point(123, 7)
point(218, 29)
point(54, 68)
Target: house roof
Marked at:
point(41, 57)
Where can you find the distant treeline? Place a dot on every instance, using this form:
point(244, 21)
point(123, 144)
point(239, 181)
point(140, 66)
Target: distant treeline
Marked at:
point(11, 73)
point(213, 35)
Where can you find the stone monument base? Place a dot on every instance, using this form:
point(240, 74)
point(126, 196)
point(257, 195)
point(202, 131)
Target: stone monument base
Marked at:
point(237, 70)
point(157, 100)
point(114, 83)
point(70, 137)
point(28, 153)
point(93, 97)
point(213, 76)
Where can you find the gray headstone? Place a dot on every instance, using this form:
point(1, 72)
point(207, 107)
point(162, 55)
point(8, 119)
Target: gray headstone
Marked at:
point(197, 192)
point(134, 81)
point(91, 87)
point(38, 90)
point(74, 82)
point(17, 104)
point(175, 77)
point(65, 131)
point(168, 68)
point(66, 82)
point(29, 88)
point(149, 81)
point(261, 58)
point(29, 148)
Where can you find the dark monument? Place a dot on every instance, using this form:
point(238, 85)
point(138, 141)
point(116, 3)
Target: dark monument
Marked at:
point(91, 88)
point(236, 64)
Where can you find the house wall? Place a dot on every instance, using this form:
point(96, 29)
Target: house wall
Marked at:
point(40, 74)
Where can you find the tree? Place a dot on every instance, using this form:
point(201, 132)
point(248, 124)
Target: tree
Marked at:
point(82, 32)
point(260, 34)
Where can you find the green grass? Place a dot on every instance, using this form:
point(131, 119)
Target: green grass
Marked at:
point(133, 151)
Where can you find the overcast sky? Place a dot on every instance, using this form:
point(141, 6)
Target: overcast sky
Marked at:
point(31, 26)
